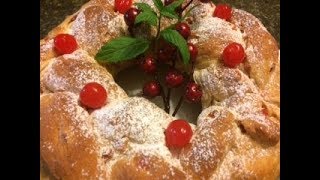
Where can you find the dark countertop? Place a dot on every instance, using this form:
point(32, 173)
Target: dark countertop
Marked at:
point(53, 12)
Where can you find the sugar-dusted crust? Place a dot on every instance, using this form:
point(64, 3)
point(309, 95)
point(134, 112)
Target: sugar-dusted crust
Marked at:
point(237, 135)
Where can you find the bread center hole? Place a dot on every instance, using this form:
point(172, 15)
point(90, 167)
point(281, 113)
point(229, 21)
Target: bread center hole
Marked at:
point(132, 80)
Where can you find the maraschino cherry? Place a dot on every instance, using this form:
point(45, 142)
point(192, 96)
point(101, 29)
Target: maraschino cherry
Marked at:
point(65, 44)
point(233, 55)
point(178, 134)
point(122, 5)
point(93, 95)
point(223, 11)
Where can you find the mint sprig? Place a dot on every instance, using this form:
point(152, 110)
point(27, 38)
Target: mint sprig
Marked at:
point(127, 48)
point(168, 11)
point(176, 39)
point(158, 4)
point(144, 7)
point(121, 49)
point(146, 15)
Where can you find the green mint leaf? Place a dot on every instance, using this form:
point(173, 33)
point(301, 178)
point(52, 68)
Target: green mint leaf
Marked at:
point(144, 7)
point(176, 39)
point(174, 5)
point(121, 49)
point(158, 4)
point(169, 13)
point(148, 17)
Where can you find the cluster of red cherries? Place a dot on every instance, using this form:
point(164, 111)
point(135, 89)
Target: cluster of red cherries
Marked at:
point(179, 132)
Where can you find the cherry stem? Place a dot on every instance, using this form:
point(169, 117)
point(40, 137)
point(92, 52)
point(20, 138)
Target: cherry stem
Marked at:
point(158, 28)
point(169, 89)
point(168, 99)
point(178, 106)
point(185, 7)
point(192, 70)
point(165, 104)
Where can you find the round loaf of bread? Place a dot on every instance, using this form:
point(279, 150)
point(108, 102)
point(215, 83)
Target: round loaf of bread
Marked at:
point(237, 135)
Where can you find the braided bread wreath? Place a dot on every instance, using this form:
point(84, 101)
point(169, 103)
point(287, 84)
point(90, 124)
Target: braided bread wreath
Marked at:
point(237, 133)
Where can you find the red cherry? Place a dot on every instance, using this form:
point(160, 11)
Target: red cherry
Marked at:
point(193, 92)
point(93, 95)
point(193, 50)
point(223, 11)
point(166, 53)
point(174, 78)
point(148, 65)
point(151, 89)
point(122, 5)
point(233, 55)
point(183, 29)
point(65, 44)
point(130, 16)
point(178, 134)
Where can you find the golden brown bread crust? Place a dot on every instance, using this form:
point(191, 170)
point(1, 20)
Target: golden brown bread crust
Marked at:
point(237, 134)
point(69, 151)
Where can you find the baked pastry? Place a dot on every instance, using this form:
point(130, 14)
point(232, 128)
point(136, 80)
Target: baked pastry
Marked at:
point(237, 133)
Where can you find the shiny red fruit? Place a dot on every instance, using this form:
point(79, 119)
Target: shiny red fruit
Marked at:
point(151, 89)
point(166, 53)
point(233, 55)
point(122, 5)
point(93, 95)
point(148, 65)
point(223, 11)
point(174, 78)
point(193, 92)
point(193, 50)
point(178, 134)
point(183, 29)
point(65, 44)
point(130, 16)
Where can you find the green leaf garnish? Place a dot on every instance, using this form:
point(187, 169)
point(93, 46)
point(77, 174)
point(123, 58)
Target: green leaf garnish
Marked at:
point(169, 13)
point(147, 15)
point(122, 49)
point(158, 4)
point(144, 7)
point(170, 10)
point(174, 4)
point(176, 39)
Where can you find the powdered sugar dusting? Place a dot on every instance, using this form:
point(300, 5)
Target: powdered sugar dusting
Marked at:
point(212, 27)
point(71, 72)
point(221, 83)
point(92, 28)
point(47, 45)
point(132, 118)
point(67, 103)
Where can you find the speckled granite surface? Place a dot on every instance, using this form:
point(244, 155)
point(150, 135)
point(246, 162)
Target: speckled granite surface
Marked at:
point(52, 12)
